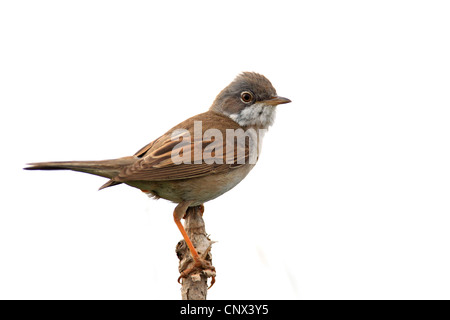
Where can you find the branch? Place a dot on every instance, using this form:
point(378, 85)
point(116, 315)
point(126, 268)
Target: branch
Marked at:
point(195, 286)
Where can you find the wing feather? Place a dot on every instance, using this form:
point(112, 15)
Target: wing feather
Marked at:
point(155, 161)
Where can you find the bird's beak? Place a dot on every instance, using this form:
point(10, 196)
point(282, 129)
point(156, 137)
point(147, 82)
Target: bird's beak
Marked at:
point(274, 101)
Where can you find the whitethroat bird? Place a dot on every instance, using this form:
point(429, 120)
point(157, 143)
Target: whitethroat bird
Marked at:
point(189, 171)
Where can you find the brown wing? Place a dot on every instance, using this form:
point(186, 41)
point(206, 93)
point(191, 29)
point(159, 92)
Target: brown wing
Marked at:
point(184, 154)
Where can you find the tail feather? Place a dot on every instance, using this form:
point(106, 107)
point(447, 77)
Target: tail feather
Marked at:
point(110, 183)
point(104, 168)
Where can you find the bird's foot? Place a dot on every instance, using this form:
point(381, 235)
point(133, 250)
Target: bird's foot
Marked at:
point(200, 266)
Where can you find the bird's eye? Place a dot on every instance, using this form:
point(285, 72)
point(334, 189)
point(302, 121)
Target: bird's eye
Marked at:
point(246, 96)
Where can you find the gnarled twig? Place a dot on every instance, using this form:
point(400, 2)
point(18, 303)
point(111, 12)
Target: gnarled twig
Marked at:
point(195, 286)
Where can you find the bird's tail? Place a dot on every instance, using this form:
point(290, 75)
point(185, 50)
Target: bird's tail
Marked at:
point(104, 168)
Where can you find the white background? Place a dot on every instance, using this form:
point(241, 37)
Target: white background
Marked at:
point(350, 199)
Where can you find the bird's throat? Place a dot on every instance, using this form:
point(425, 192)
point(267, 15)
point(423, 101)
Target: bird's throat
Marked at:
point(258, 115)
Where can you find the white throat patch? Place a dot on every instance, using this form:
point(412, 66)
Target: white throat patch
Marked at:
point(259, 114)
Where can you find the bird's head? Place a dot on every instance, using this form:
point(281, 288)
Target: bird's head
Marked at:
point(250, 100)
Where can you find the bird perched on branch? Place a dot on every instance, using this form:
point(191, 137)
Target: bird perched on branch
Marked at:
point(199, 159)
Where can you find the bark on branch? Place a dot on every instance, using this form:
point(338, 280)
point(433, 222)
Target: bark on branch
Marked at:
point(195, 286)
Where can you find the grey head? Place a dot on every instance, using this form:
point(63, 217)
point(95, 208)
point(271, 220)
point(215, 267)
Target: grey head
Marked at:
point(250, 100)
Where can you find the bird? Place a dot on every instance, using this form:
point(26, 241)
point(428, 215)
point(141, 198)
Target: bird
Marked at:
point(199, 159)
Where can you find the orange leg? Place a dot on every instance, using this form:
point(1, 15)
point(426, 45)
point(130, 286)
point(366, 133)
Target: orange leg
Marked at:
point(179, 212)
point(199, 263)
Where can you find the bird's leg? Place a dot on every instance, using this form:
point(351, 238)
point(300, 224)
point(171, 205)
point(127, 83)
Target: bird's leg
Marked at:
point(200, 263)
point(178, 214)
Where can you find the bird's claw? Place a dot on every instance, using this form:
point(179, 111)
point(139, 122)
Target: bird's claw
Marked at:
point(200, 266)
